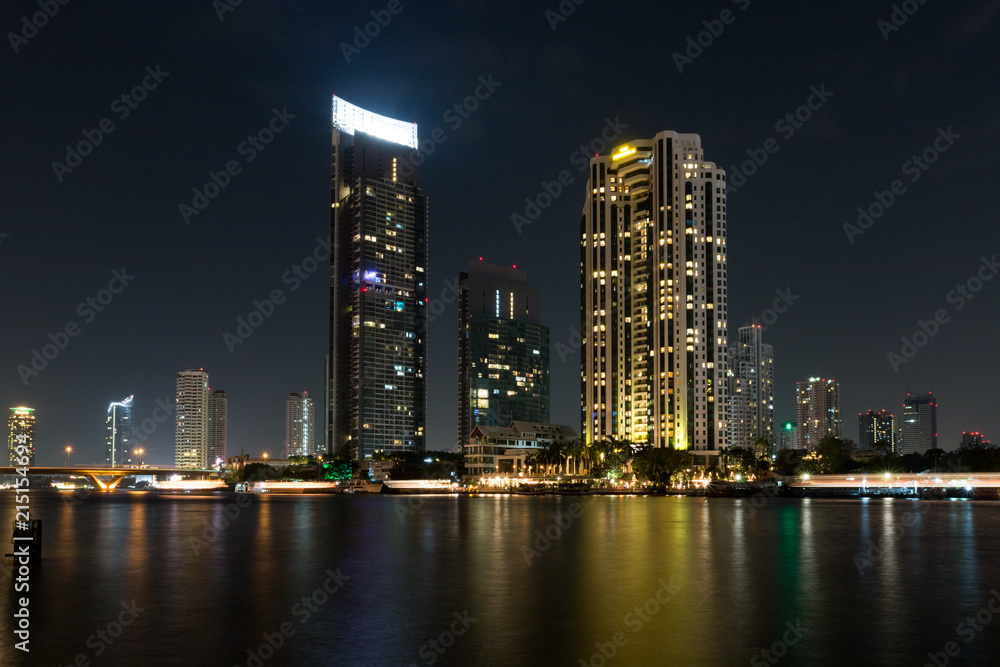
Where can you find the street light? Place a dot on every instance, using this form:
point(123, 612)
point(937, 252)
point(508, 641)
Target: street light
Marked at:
point(139, 452)
point(69, 450)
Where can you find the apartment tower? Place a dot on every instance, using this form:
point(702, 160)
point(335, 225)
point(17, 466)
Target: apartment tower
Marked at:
point(503, 350)
point(653, 265)
point(376, 399)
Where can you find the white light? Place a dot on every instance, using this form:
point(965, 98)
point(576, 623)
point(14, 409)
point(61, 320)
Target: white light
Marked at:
point(350, 119)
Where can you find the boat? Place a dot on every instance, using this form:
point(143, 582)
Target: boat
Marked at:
point(362, 486)
point(289, 487)
point(419, 486)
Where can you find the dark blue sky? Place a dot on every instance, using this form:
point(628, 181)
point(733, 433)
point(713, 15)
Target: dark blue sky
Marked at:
point(62, 235)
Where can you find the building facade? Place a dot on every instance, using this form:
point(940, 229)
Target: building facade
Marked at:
point(653, 264)
point(974, 439)
point(919, 424)
point(751, 389)
point(191, 419)
point(503, 450)
point(300, 434)
point(21, 436)
point(118, 445)
point(817, 411)
point(216, 427)
point(788, 436)
point(376, 398)
point(875, 427)
point(503, 349)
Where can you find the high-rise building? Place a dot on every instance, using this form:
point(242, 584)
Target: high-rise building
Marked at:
point(876, 427)
point(817, 411)
point(653, 277)
point(751, 389)
point(21, 431)
point(503, 350)
point(378, 290)
point(118, 446)
point(919, 424)
point(300, 434)
point(191, 419)
point(974, 439)
point(216, 427)
point(788, 436)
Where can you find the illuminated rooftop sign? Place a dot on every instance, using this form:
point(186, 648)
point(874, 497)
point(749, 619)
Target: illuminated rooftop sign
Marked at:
point(22, 411)
point(624, 151)
point(350, 119)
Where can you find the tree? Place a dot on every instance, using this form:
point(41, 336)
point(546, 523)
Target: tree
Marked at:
point(660, 464)
point(762, 447)
point(835, 455)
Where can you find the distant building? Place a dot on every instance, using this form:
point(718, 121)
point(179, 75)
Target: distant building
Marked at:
point(875, 427)
point(191, 419)
point(493, 450)
point(974, 439)
point(788, 436)
point(376, 397)
point(751, 389)
point(118, 445)
point(919, 424)
point(503, 349)
point(21, 428)
point(216, 427)
point(817, 411)
point(300, 434)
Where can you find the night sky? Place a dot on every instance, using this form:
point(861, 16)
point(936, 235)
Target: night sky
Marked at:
point(211, 84)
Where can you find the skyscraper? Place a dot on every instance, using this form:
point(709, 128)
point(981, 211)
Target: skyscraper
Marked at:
point(191, 419)
point(216, 427)
point(503, 350)
point(653, 260)
point(817, 411)
point(751, 389)
point(118, 448)
point(21, 431)
point(876, 427)
point(919, 424)
point(378, 289)
point(300, 434)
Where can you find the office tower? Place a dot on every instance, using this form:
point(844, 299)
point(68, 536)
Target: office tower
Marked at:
point(653, 265)
point(751, 389)
point(919, 424)
point(378, 289)
point(118, 447)
point(503, 350)
point(216, 427)
point(21, 431)
point(876, 427)
point(788, 436)
point(191, 419)
point(817, 411)
point(300, 435)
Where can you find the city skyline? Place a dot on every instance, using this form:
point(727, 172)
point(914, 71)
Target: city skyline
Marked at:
point(792, 266)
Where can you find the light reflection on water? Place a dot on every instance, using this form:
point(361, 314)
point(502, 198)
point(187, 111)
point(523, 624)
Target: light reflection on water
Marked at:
point(213, 578)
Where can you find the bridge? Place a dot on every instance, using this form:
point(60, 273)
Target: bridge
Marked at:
point(112, 477)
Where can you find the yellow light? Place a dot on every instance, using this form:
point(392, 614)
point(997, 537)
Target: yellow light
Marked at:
point(624, 151)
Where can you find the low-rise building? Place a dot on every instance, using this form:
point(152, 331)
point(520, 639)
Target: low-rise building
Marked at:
point(498, 450)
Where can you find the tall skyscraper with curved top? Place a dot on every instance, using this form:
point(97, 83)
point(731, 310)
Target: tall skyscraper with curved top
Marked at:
point(653, 265)
point(118, 448)
point(376, 391)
